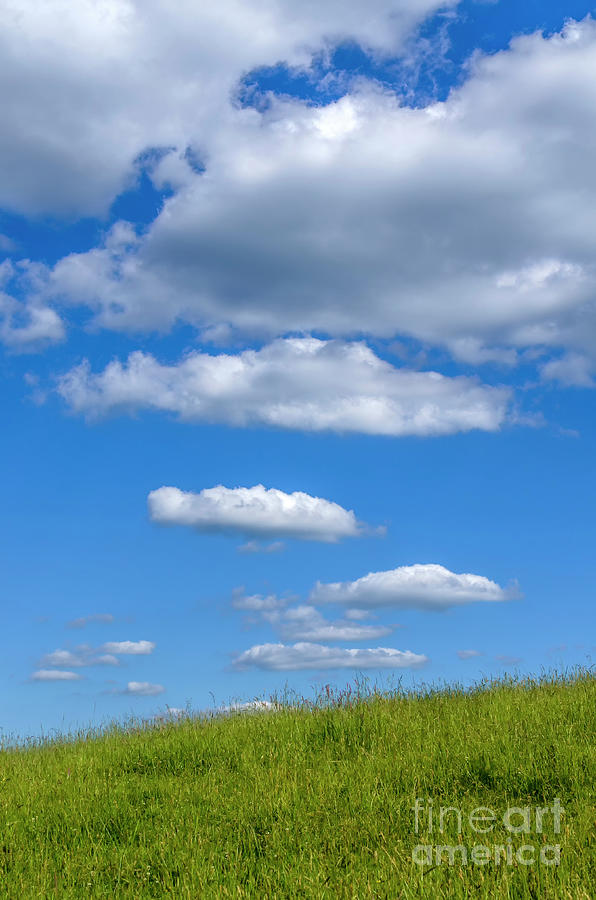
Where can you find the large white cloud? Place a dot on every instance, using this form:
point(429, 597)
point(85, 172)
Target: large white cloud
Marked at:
point(304, 655)
point(430, 587)
point(469, 222)
point(257, 511)
point(88, 86)
point(300, 383)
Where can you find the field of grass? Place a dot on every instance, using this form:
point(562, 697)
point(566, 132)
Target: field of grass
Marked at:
point(315, 800)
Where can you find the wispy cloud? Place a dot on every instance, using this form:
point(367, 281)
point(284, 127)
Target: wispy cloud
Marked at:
point(358, 615)
point(468, 654)
point(257, 602)
point(7, 245)
point(143, 689)
point(305, 623)
point(257, 547)
point(507, 660)
point(571, 370)
point(94, 619)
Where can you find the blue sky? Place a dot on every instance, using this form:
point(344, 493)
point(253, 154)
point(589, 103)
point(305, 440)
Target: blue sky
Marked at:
point(352, 262)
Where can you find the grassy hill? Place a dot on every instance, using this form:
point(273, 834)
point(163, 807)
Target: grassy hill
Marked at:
point(317, 800)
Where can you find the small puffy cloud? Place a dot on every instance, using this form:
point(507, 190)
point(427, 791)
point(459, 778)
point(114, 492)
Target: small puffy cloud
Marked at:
point(143, 689)
point(106, 655)
point(257, 602)
point(468, 654)
point(250, 706)
point(258, 511)
point(299, 383)
point(429, 587)
point(357, 615)
point(106, 659)
point(26, 325)
point(305, 623)
point(94, 619)
point(62, 658)
point(132, 648)
point(82, 656)
point(303, 656)
point(55, 675)
point(171, 713)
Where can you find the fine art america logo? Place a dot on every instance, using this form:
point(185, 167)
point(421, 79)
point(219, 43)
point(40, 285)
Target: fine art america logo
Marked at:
point(542, 821)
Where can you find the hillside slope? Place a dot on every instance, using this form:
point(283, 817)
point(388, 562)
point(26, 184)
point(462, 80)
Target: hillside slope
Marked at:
point(317, 802)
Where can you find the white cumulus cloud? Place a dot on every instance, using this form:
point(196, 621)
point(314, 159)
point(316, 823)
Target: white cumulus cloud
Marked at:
point(257, 511)
point(571, 369)
point(465, 223)
point(428, 587)
point(257, 602)
point(55, 675)
point(82, 656)
point(88, 87)
point(134, 648)
point(299, 383)
point(305, 655)
point(29, 324)
point(26, 325)
point(106, 655)
point(305, 623)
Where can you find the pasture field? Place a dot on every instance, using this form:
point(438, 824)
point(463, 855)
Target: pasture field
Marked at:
point(330, 799)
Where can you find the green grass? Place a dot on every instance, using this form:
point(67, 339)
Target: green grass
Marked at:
point(309, 801)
